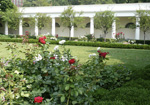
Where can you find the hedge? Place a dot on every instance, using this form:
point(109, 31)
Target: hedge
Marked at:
point(142, 42)
point(79, 43)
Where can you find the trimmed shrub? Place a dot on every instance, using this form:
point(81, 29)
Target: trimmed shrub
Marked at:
point(143, 74)
point(109, 103)
point(114, 76)
point(67, 38)
point(78, 43)
point(142, 41)
point(138, 83)
point(129, 96)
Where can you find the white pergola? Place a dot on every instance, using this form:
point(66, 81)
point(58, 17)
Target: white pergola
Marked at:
point(120, 10)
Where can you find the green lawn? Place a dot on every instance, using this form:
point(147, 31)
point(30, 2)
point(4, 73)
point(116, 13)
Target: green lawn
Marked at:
point(133, 58)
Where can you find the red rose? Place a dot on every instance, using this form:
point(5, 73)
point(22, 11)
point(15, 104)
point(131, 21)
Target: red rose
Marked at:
point(103, 54)
point(38, 99)
point(99, 51)
point(56, 35)
point(41, 39)
point(52, 57)
point(71, 61)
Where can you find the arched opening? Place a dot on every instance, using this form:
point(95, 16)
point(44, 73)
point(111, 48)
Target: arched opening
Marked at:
point(1, 25)
point(57, 25)
point(26, 24)
point(88, 25)
point(130, 25)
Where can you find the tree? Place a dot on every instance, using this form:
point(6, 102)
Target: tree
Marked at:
point(34, 3)
point(104, 20)
point(144, 21)
point(11, 16)
point(6, 4)
point(43, 21)
point(69, 18)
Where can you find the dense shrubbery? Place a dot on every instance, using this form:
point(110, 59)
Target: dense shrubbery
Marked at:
point(134, 92)
point(128, 96)
point(55, 77)
point(142, 41)
point(80, 43)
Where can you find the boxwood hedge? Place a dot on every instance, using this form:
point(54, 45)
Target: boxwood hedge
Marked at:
point(81, 43)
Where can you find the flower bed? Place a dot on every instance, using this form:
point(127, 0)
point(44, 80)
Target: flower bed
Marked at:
point(52, 78)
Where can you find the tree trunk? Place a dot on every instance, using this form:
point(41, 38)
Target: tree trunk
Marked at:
point(144, 37)
point(104, 36)
point(69, 33)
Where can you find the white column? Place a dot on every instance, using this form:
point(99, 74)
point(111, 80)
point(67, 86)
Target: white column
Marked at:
point(53, 26)
point(36, 27)
point(92, 25)
point(113, 29)
point(72, 31)
point(137, 30)
point(6, 28)
point(20, 27)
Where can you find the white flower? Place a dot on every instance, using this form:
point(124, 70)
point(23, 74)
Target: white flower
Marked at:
point(38, 58)
point(56, 48)
point(53, 38)
point(132, 41)
point(92, 55)
point(62, 42)
point(17, 72)
point(56, 56)
point(64, 58)
point(98, 48)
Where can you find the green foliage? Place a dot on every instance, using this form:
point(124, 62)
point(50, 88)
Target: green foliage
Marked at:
point(6, 5)
point(104, 20)
point(143, 74)
point(138, 83)
point(68, 19)
point(81, 43)
point(43, 20)
point(120, 36)
point(89, 37)
point(52, 76)
point(54, 79)
point(29, 3)
point(36, 3)
point(114, 76)
point(144, 21)
point(11, 16)
point(128, 96)
point(109, 103)
point(142, 42)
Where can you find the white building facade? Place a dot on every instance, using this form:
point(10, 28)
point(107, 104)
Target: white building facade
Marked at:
point(123, 11)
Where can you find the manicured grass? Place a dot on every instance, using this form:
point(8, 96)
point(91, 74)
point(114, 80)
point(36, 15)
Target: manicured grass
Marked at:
point(132, 58)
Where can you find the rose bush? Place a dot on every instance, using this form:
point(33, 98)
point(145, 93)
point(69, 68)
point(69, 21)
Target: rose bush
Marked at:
point(120, 36)
point(57, 77)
